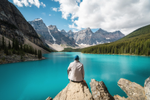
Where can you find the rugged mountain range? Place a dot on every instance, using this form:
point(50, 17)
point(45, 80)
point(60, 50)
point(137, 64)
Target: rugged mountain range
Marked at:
point(42, 30)
point(14, 25)
point(51, 33)
point(135, 43)
point(100, 36)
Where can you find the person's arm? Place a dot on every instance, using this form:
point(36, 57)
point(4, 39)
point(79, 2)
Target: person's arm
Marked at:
point(69, 68)
point(83, 71)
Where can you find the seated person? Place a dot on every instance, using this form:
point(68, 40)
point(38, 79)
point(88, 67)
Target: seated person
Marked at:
point(76, 71)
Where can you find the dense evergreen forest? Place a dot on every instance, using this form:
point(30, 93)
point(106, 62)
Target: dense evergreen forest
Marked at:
point(71, 50)
point(136, 43)
point(17, 48)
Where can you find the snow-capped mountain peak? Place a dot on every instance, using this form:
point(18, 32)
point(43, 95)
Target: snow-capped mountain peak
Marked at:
point(38, 19)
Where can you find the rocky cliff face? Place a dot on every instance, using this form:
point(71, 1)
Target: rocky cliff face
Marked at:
point(70, 34)
point(64, 32)
point(51, 33)
point(41, 29)
point(83, 36)
point(59, 37)
point(80, 91)
point(14, 25)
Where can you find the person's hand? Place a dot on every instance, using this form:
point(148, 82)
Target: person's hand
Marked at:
point(84, 81)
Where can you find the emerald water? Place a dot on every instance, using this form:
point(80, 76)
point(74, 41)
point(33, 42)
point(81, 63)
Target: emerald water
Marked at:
point(36, 80)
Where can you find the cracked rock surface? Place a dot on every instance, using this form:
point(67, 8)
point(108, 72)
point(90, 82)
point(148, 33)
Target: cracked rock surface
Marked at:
point(99, 90)
point(75, 91)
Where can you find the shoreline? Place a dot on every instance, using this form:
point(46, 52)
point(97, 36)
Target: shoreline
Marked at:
point(14, 58)
point(118, 54)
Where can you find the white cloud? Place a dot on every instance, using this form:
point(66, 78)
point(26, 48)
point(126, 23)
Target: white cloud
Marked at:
point(110, 15)
point(42, 4)
point(50, 15)
point(21, 3)
point(54, 9)
point(18, 3)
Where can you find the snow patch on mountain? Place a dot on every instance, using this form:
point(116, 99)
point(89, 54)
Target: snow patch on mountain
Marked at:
point(38, 19)
point(52, 36)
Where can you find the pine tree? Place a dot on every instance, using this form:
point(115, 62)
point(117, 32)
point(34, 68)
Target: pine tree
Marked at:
point(9, 46)
point(21, 46)
point(35, 52)
point(6, 50)
point(16, 45)
point(39, 54)
point(13, 43)
point(3, 43)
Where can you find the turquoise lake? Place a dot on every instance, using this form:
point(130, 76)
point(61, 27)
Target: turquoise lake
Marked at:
point(36, 80)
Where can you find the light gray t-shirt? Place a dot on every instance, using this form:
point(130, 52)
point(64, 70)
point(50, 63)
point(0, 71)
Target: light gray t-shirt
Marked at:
point(76, 71)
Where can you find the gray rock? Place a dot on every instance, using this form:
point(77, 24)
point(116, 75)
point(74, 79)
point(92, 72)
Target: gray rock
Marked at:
point(99, 90)
point(75, 91)
point(49, 98)
point(147, 88)
point(133, 90)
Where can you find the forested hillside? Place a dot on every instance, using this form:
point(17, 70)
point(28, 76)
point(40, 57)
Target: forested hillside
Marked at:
point(137, 42)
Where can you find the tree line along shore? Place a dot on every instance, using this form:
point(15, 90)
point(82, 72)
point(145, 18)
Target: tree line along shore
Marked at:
point(13, 51)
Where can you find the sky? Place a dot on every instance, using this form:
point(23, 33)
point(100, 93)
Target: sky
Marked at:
point(75, 15)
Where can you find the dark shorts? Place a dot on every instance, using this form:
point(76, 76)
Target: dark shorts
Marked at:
point(76, 81)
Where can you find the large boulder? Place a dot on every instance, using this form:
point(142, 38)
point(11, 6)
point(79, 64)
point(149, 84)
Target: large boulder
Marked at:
point(75, 91)
point(133, 90)
point(99, 90)
point(147, 88)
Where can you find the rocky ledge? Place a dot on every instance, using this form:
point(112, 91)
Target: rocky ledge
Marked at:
point(80, 91)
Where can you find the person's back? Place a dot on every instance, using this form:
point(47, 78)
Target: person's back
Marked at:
point(76, 70)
